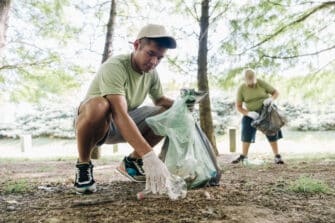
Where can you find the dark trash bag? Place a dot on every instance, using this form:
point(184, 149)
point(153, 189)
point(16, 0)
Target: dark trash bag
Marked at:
point(270, 120)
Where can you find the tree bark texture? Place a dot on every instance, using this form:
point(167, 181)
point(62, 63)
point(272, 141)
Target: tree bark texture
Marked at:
point(206, 121)
point(110, 31)
point(4, 9)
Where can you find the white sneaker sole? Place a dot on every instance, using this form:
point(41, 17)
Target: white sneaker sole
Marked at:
point(124, 173)
point(86, 190)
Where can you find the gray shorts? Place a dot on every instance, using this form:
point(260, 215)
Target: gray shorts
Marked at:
point(139, 115)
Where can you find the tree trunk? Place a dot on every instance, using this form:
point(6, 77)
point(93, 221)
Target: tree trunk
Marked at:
point(96, 153)
point(206, 121)
point(110, 30)
point(4, 9)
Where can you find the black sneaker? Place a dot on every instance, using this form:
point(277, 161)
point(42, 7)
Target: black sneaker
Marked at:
point(132, 168)
point(278, 159)
point(241, 158)
point(84, 182)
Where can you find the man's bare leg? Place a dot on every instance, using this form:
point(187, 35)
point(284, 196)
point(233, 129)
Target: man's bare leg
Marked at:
point(274, 147)
point(245, 148)
point(91, 126)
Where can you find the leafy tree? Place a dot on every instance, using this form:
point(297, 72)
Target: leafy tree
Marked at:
point(46, 47)
point(275, 36)
point(33, 65)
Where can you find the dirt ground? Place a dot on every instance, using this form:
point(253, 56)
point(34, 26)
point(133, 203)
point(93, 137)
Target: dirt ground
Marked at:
point(42, 191)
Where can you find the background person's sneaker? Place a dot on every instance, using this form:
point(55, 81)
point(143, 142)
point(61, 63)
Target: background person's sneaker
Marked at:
point(84, 182)
point(239, 159)
point(132, 168)
point(278, 159)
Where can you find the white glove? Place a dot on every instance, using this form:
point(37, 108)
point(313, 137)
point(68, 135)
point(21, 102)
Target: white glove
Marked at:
point(267, 101)
point(155, 173)
point(253, 115)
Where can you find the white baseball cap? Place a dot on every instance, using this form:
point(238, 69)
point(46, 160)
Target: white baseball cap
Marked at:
point(157, 31)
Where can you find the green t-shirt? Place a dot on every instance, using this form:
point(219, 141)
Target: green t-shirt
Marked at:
point(116, 76)
point(253, 97)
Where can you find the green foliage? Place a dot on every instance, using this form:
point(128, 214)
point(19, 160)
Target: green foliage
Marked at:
point(49, 18)
point(17, 187)
point(269, 36)
point(275, 34)
point(315, 87)
point(42, 83)
point(35, 66)
point(230, 80)
point(309, 185)
point(43, 80)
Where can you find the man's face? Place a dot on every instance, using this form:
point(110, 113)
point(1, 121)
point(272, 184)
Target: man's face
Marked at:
point(147, 55)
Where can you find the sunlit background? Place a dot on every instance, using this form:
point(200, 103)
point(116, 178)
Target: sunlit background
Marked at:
point(53, 49)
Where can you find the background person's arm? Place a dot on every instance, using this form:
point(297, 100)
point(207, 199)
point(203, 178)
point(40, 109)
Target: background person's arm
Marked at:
point(126, 125)
point(269, 100)
point(240, 108)
point(251, 114)
point(274, 95)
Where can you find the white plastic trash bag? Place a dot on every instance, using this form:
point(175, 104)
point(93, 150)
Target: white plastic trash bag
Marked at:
point(187, 155)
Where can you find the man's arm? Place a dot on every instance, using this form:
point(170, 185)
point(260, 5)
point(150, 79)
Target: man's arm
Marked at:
point(126, 125)
point(164, 102)
point(269, 100)
point(155, 170)
point(251, 114)
point(274, 95)
point(240, 108)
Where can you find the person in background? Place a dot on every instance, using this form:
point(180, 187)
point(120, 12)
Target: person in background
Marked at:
point(111, 112)
point(251, 96)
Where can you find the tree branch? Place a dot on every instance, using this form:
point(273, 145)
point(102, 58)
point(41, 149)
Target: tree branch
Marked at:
point(21, 65)
point(301, 55)
point(171, 61)
point(321, 68)
point(195, 16)
point(220, 13)
point(282, 29)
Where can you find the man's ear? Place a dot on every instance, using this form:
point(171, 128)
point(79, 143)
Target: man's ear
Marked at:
point(136, 44)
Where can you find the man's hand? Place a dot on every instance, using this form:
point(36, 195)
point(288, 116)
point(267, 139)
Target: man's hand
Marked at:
point(267, 101)
point(253, 115)
point(155, 173)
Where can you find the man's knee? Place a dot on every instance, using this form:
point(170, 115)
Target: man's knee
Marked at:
point(94, 110)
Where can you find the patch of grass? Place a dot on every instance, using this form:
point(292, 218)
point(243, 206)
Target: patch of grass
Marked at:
point(44, 169)
point(56, 158)
point(309, 185)
point(327, 157)
point(15, 187)
point(9, 160)
point(12, 160)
